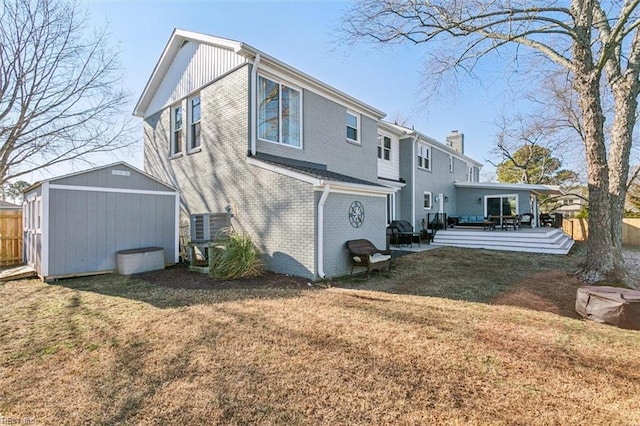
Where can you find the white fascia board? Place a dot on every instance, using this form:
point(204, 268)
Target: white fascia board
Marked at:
point(287, 72)
point(356, 188)
point(113, 190)
point(396, 186)
point(541, 189)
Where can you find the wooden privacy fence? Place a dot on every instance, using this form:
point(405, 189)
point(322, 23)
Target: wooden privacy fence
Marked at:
point(578, 229)
point(10, 238)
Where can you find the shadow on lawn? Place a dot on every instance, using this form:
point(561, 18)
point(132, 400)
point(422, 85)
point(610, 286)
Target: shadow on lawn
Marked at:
point(177, 287)
point(534, 281)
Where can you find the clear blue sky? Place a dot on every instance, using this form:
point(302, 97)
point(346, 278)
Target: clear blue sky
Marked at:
point(302, 34)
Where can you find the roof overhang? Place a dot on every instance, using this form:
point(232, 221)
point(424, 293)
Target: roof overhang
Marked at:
point(319, 184)
point(178, 37)
point(534, 188)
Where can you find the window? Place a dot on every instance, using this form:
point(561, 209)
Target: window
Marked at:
point(451, 164)
point(279, 113)
point(384, 147)
point(353, 127)
point(424, 157)
point(176, 132)
point(427, 201)
point(470, 174)
point(194, 122)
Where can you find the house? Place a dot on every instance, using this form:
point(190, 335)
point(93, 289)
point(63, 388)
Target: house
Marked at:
point(291, 159)
point(7, 206)
point(76, 224)
point(296, 164)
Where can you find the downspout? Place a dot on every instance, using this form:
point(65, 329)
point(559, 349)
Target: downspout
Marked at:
point(323, 198)
point(252, 103)
point(413, 179)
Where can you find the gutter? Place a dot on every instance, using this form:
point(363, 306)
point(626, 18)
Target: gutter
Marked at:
point(320, 250)
point(252, 103)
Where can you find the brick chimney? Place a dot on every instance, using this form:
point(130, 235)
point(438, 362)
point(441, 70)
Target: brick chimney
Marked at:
point(455, 140)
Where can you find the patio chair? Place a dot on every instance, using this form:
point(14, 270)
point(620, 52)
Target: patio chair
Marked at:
point(402, 233)
point(364, 253)
point(525, 220)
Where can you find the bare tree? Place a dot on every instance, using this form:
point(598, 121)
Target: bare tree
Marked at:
point(596, 43)
point(60, 92)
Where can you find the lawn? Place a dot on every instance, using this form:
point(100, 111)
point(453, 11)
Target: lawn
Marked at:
point(453, 336)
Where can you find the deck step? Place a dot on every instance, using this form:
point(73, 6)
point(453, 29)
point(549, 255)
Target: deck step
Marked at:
point(539, 240)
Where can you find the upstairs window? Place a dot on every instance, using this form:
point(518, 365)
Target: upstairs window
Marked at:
point(451, 164)
point(384, 147)
point(279, 113)
point(353, 127)
point(194, 122)
point(424, 157)
point(470, 174)
point(176, 130)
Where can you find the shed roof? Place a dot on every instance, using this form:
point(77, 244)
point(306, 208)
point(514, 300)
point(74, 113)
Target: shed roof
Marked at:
point(535, 188)
point(116, 164)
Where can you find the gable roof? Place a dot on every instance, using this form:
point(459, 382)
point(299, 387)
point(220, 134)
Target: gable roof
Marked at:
point(118, 163)
point(405, 131)
point(5, 205)
point(179, 37)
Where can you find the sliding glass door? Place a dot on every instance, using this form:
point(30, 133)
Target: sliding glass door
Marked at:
point(501, 205)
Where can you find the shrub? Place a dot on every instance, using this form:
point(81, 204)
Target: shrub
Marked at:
point(234, 257)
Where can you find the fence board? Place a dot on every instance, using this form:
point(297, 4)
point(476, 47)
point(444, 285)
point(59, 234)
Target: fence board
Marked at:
point(578, 229)
point(10, 238)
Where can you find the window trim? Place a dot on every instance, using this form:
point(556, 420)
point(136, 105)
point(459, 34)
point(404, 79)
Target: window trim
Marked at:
point(173, 152)
point(451, 162)
point(428, 157)
point(384, 153)
point(430, 200)
point(470, 173)
point(280, 82)
point(357, 128)
point(190, 130)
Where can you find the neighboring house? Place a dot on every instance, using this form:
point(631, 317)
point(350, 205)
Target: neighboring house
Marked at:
point(573, 202)
point(291, 158)
point(7, 206)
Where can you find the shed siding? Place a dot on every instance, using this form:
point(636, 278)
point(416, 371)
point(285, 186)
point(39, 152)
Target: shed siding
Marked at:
point(194, 65)
point(338, 229)
point(105, 178)
point(87, 228)
point(278, 212)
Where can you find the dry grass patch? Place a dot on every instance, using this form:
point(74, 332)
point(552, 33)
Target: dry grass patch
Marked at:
point(109, 350)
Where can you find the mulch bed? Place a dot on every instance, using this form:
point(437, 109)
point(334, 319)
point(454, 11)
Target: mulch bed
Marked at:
point(180, 277)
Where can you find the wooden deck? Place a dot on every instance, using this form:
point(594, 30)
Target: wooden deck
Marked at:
point(532, 240)
point(17, 273)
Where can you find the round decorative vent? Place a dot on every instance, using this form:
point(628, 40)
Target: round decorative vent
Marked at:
point(356, 214)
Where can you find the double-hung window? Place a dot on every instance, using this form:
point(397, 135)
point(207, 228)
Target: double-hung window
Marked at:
point(176, 130)
point(424, 157)
point(353, 127)
point(279, 113)
point(451, 164)
point(427, 201)
point(194, 122)
point(469, 173)
point(384, 147)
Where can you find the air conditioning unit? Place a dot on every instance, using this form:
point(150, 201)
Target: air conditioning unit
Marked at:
point(208, 226)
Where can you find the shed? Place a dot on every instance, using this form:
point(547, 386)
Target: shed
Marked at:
point(75, 224)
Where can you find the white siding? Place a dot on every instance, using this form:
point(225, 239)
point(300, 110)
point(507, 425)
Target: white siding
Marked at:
point(390, 169)
point(194, 65)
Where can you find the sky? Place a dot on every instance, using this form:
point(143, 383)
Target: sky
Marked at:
point(304, 35)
